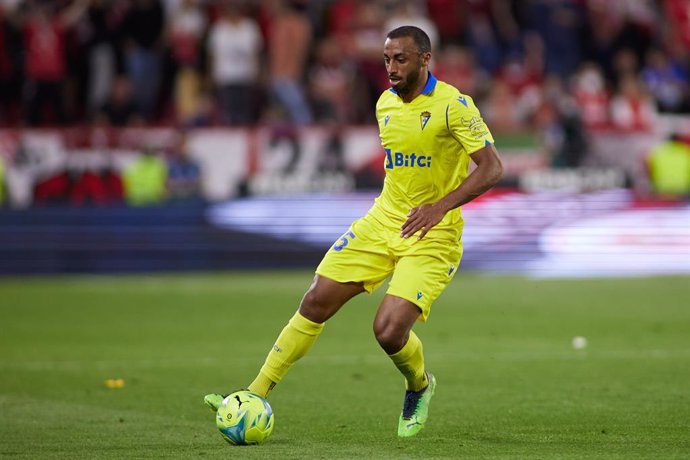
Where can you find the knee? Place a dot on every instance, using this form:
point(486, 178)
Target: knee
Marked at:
point(390, 337)
point(315, 306)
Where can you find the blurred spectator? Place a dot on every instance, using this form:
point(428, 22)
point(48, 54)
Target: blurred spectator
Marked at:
point(30, 161)
point(669, 168)
point(235, 44)
point(511, 21)
point(625, 63)
point(332, 158)
point(170, 8)
point(562, 124)
point(499, 109)
point(521, 71)
point(112, 182)
point(362, 43)
point(456, 66)
point(290, 38)
point(10, 66)
point(330, 83)
point(96, 187)
point(120, 109)
point(677, 17)
point(411, 12)
point(591, 95)
point(101, 34)
point(45, 59)
point(341, 16)
point(185, 32)
point(560, 24)
point(481, 36)
point(53, 189)
point(49, 46)
point(145, 179)
point(142, 31)
point(632, 109)
point(615, 25)
point(204, 115)
point(450, 17)
point(184, 175)
point(668, 82)
point(2, 181)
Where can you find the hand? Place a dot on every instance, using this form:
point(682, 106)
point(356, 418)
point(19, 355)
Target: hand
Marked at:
point(422, 218)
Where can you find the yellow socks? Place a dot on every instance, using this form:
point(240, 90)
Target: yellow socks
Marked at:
point(293, 342)
point(299, 335)
point(410, 361)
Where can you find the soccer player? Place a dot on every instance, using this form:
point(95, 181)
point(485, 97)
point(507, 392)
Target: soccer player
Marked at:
point(429, 132)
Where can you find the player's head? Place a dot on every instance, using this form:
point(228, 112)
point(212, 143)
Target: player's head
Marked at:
point(406, 53)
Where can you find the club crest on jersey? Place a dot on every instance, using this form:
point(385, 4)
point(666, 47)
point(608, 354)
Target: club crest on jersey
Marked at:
point(424, 118)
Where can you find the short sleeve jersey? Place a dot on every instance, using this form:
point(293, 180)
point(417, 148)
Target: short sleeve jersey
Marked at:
point(427, 144)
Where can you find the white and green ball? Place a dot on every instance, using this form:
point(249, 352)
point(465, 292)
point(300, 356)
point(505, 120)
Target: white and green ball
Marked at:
point(244, 418)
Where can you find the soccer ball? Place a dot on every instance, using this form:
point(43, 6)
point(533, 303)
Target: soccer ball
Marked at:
point(244, 418)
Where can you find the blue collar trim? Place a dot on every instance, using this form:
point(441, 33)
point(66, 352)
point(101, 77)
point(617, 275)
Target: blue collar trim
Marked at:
point(430, 84)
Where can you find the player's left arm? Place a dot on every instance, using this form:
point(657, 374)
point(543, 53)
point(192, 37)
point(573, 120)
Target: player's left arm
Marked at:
point(488, 172)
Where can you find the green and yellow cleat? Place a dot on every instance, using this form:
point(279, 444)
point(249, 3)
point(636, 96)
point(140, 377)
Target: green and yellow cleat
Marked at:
point(416, 409)
point(213, 401)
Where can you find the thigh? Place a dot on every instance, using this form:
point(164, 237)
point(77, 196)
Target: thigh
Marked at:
point(423, 273)
point(360, 255)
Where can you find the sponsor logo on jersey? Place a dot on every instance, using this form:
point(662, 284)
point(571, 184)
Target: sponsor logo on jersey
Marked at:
point(412, 160)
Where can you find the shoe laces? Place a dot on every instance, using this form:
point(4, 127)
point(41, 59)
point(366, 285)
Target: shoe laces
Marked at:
point(411, 402)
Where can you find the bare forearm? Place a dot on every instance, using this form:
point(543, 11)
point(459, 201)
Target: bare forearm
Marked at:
point(483, 178)
point(487, 174)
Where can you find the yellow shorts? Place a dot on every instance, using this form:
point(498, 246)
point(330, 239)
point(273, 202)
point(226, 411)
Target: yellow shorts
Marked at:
point(370, 251)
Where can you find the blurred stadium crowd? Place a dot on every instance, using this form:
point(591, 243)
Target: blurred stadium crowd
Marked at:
point(556, 70)
point(239, 62)
point(179, 106)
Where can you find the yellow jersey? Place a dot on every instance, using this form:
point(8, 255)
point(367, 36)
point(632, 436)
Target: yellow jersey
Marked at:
point(427, 144)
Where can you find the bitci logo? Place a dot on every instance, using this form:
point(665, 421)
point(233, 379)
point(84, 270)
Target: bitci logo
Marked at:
point(411, 160)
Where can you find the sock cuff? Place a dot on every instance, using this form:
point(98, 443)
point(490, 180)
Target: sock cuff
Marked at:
point(305, 325)
point(413, 343)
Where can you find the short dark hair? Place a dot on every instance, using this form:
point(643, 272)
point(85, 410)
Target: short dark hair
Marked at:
point(421, 39)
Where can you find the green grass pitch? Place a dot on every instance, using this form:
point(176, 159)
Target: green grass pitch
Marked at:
point(510, 385)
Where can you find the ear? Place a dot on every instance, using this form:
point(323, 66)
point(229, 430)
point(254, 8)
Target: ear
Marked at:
point(426, 57)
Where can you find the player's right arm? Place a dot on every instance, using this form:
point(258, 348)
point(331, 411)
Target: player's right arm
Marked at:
point(468, 128)
point(488, 172)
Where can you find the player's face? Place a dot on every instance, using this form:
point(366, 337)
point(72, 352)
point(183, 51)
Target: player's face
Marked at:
point(404, 64)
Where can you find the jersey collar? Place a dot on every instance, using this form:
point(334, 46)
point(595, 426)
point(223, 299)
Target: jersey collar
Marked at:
point(428, 88)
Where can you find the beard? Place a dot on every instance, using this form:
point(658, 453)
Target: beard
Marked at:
point(407, 85)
